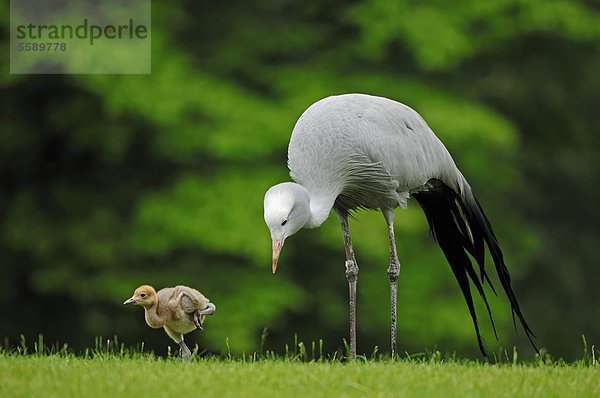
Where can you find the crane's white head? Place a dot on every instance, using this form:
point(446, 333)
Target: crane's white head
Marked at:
point(287, 209)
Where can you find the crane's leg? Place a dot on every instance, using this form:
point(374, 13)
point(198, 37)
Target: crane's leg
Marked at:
point(351, 276)
point(393, 272)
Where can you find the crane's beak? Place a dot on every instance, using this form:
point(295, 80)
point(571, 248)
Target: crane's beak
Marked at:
point(277, 245)
point(131, 300)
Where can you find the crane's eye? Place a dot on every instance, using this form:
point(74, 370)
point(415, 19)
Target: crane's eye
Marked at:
point(142, 295)
point(284, 222)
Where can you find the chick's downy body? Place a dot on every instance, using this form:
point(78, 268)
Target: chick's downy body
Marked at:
point(179, 310)
point(175, 309)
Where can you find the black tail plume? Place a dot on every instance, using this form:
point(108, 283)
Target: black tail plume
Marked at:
point(459, 226)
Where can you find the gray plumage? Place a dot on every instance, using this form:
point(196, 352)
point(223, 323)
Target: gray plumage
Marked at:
point(365, 151)
point(359, 151)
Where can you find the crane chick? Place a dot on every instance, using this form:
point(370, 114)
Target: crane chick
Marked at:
point(178, 310)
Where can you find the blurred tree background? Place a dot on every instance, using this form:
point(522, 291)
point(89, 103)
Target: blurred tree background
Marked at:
point(112, 181)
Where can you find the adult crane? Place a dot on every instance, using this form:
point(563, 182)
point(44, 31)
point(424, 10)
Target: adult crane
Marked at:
point(356, 151)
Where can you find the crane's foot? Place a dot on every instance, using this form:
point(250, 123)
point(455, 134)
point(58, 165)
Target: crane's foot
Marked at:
point(186, 354)
point(198, 319)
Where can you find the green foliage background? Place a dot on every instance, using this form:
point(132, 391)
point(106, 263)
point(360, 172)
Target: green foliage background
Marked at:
point(111, 181)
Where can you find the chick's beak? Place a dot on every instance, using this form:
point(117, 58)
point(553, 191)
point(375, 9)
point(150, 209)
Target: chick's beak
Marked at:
point(129, 301)
point(277, 245)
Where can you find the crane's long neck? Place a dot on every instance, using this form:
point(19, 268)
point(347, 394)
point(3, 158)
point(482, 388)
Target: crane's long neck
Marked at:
point(153, 318)
point(320, 207)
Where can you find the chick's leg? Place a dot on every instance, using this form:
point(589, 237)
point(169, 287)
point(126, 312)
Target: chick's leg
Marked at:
point(198, 319)
point(186, 354)
point(199, 315)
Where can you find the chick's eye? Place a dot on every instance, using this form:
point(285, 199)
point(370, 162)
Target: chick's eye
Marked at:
point(284, 222)
point(143, 295)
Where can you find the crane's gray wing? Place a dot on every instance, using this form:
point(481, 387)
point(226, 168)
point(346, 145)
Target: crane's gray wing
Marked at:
point(396, 136)
point(371, 150)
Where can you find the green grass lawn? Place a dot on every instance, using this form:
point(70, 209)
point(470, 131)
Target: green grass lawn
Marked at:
point(141, 376)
